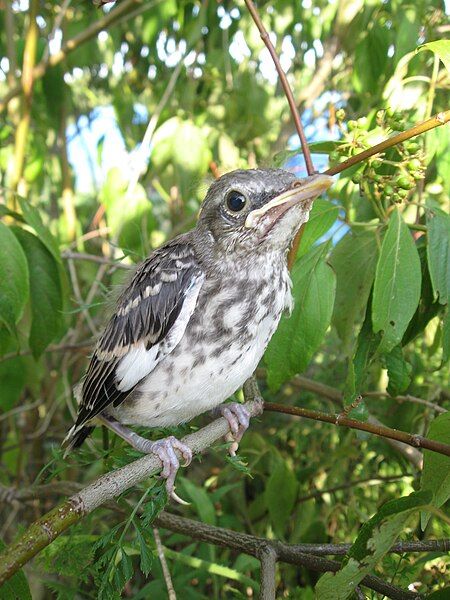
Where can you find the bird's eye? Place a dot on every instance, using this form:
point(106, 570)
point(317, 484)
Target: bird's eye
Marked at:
point(235, 201)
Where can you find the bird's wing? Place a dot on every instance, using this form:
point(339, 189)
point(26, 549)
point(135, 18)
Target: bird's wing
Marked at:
point(150, 319)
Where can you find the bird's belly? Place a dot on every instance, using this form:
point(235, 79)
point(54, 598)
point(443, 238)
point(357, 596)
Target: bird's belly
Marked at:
point(214, 358)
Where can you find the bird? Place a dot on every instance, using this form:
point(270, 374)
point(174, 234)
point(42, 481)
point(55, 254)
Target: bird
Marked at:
point(194, 320)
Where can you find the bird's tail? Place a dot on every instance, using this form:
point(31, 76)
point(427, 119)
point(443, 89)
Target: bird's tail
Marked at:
point(76, 437)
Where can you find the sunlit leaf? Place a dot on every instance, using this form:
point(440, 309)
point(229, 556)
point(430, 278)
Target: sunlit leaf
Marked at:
point(439, 253)
point(299, 336)
point(397, 283)
point(14, 287)
point(353, 260)
point(441, 48)
point(45, 292)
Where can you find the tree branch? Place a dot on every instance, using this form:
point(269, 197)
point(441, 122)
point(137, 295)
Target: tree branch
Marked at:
point(417, 441)
point(413, 455)
point(268, 559)
point(299, 555)
point(46, 529)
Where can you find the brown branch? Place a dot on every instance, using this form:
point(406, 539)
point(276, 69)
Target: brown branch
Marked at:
point(417, 441)
point(10, 495)
point(285, 84)
point(436, 121)
point(413, 455)
point(256, 546)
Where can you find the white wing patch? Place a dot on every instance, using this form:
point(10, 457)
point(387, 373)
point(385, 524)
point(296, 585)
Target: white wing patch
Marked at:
point(139, 362)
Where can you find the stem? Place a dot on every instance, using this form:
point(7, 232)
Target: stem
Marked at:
point(417, 441)
point(285, 84)
point(436, 121)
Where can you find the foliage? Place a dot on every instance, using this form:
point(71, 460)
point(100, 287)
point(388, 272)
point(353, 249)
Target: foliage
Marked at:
point(371, 281)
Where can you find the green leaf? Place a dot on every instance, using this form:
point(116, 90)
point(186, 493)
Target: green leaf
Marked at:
point(322, 217)
point(145, 552)
point(12, 380)
point(45, 292)
point(436, 467)
point(399, 371)
point(397, 283)
point(441, 48)
point(366, 347)
point(14, 288)
point(33, 218)
point(280, 495)
point(374, 540)
point(201, 500)
point(16, 588)
point(299, 336)
point(439, 253)
point(446, 338)
point(353, 259)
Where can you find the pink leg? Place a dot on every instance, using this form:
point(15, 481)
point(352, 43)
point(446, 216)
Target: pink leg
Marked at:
point(238, 419)
point(164, 449)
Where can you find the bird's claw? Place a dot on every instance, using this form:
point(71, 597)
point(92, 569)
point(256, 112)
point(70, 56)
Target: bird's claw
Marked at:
point(165, 450)
point(238, 418)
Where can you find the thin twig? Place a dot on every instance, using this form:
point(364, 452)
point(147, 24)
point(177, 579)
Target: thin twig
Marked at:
point(56, 348)
point(56, 25)
point(417, 441)
point(164, 566)
point(436, 121)
point(285, 84)
point(101, 260)
point(144, 149)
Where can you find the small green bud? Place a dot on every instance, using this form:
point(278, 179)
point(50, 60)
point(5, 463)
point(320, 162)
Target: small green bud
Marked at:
point(402, 193)
point(357, 177)
point(388, 190)
point(352, 125)
point(334, 156)
point(340, 114)
point(414, 165)
point(404, 182)
point(376, 164)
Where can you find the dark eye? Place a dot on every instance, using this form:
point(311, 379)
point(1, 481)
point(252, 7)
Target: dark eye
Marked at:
point(235, 201)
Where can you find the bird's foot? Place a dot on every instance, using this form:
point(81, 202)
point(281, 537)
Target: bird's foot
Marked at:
point(238, 418)
point(164, 449)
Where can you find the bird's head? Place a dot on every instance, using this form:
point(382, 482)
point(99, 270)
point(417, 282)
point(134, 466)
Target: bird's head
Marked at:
point(258, 208)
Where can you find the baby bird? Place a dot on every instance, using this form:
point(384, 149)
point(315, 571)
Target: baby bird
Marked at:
point(196, 317)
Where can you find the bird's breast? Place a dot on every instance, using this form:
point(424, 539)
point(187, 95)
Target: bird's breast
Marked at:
point(224, 341)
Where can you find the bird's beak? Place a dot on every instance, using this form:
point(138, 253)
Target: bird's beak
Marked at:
point(305, 190)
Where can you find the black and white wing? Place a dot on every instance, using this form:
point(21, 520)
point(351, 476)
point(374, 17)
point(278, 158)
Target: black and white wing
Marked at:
point(150, 319)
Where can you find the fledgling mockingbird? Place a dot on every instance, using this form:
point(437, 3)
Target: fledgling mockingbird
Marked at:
point(195, 319)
